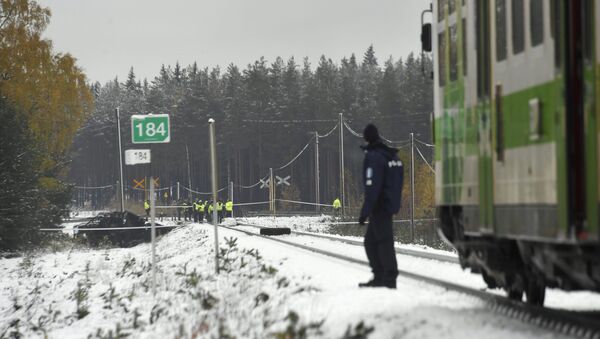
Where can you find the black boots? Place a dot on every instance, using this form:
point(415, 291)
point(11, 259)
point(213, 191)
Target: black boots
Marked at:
point(378, 283)
point(371, 283)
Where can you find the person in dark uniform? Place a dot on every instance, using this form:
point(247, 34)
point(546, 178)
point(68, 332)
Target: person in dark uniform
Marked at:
point(383, 178)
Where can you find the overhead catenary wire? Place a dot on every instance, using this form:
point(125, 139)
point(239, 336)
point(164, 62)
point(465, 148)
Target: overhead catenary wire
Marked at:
point(422, 157)
point(288, 121)
point(356, 134)
point(253, 185)
point(424, 143)
point(296, 157)
point(303, 203)
point(328, 133)
point(202, 193)
point(93, 187)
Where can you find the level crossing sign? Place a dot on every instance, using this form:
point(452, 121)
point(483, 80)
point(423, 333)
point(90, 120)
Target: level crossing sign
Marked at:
point(283, 181)
point(151, 128)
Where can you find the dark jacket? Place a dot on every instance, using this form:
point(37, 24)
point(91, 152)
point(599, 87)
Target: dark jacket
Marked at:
point(383, 175)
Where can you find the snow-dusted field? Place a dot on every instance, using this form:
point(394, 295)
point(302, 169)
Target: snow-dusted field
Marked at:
point(265, 289)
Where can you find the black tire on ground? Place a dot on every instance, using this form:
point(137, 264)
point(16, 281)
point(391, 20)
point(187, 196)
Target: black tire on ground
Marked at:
point(275, 231)
point(535, 292)
point(515, 294)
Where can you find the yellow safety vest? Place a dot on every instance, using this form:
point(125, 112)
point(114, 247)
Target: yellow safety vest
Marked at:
point(219, 206)
point(201, 207)
point(337, 203)
point(229, 206)
point(146, 205)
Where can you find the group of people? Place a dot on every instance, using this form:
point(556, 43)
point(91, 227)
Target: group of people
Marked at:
point(199, 210)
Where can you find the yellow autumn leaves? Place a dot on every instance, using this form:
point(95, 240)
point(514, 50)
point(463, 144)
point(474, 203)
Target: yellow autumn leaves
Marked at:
point(46, 87)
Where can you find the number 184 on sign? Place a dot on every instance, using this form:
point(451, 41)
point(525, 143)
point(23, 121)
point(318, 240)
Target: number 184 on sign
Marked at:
point(147, 129)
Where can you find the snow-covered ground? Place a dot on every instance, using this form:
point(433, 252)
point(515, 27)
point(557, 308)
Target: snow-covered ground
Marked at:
point(264, 289)
point(321, 224)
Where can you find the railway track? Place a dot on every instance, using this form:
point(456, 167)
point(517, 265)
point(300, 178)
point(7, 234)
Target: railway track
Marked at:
point(570, 323)
point(404, 251)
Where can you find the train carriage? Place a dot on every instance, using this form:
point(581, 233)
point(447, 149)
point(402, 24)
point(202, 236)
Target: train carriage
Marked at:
point(517, 133)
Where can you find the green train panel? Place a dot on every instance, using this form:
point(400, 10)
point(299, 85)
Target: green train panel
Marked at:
point(516, 124)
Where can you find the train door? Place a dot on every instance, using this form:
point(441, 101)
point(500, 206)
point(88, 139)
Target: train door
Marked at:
point(597, 96)
point(482, 45)
point(524, 91)
point(590, 64)
point(581, 140)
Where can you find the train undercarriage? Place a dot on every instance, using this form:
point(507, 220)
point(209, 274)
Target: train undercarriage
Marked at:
point(523, 267)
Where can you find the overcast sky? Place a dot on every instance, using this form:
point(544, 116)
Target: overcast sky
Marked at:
point(109, 36)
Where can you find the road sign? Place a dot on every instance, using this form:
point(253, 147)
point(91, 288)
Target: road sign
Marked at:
point(139, 184)
point(152, 128)
point(283, 181)
point(264, 183)
point(137, 156)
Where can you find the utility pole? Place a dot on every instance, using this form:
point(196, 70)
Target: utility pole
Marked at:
point(120, 159)
point(317, 184)
point(271, 189)
point(178, 192)
point(153, 233)
point(213, 167)
point(231, 195)
point(187, 154)
point(342, 183)
point(412, 186)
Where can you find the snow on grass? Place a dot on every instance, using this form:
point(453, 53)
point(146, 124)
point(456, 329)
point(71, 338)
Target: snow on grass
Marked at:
point(107, 293)
point(322, 224)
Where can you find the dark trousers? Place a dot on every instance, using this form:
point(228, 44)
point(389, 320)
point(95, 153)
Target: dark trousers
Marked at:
point(379, 245)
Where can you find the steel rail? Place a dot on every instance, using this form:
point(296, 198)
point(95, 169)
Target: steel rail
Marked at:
point(560, 321)
point(403, 251)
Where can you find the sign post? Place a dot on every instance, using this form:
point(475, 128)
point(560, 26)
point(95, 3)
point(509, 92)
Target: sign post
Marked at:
point(120, 159)
point(149, 129)
point(213, 167)
point(137, 156)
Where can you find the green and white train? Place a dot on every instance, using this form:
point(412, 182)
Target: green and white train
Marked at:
point(517, 136)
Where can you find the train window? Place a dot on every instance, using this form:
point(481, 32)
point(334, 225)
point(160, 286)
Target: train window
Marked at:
point(453, 53)
point(555, 31)
point(441, 8)
point(518, 29)
point(464, 45)
point(451, 6)
point(536, 21)
point(442, 58)
point(588, 31)
point(501, 45)
point(482, 44)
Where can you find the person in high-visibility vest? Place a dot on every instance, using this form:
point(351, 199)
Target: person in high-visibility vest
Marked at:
point(195, 210)
point(147, 208)
point(220, 210)
point(229, 208)
point(209, 215)
point(201, 210)
point(337, 206)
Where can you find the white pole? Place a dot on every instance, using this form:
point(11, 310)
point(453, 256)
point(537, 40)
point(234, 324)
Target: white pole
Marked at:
point(187, 154)
point(317, 184)
point(231, 196)
point(274, 192)
point(178, 192)
point(412, 186)
point(213, 166)
point(271, 189)
point(153, 233)
point(342, 181)
point(120, 159)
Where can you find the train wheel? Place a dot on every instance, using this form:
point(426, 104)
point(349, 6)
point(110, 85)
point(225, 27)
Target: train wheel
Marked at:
point(536, 292)
point(515, 294)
